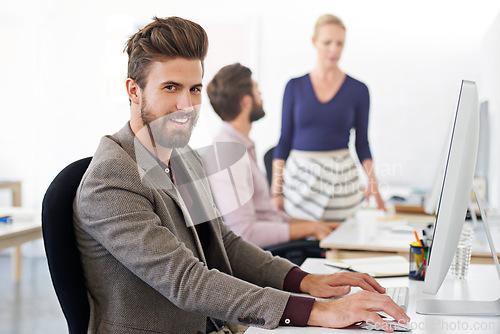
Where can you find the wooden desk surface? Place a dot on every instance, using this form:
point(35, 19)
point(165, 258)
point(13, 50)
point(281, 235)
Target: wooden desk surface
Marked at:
point(26, 226)
point(373, 231)
point(15, 187)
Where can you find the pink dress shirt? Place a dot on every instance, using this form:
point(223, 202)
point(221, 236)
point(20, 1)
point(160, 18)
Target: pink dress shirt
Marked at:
point(257, 221)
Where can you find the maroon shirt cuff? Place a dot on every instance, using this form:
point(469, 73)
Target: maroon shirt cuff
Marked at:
point(297, 311)
point(293, 279)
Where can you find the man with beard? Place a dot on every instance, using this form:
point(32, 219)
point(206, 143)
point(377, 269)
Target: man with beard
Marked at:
point(235, 97)
point(156, 256)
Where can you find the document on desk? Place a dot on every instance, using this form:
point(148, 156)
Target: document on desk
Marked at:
point(383, 266)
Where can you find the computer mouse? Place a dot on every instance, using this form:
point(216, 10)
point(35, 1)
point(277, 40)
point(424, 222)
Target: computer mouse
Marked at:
point(397, 326)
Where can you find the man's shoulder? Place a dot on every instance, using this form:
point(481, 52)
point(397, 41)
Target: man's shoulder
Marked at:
point(226, 136)
point(109, 148)
point(112, 154)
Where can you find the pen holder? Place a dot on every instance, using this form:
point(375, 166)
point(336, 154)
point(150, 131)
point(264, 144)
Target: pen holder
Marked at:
point(418, 262)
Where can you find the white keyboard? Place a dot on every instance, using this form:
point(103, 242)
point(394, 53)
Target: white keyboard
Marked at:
point(399, 294)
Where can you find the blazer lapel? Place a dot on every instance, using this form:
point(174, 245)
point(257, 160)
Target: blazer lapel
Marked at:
point(195, 182)
point(154, 177)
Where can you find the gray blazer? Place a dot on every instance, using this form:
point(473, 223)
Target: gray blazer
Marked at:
point(145, 269)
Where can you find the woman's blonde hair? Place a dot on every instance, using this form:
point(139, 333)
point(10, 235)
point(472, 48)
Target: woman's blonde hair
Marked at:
point(327, 19)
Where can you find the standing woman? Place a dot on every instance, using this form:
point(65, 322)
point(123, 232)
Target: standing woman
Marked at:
point(314, 176)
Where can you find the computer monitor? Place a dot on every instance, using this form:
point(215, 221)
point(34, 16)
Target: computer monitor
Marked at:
point(432, 196)
point(483, 153)
point(453, 202)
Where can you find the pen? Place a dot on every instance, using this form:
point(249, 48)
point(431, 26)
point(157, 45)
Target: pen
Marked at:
point(340, 266)
point(418, 239)
point(422, 241)
point(6, 219)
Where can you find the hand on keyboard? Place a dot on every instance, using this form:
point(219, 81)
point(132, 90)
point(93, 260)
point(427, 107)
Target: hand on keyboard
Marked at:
point(396, 326)
point(351, 309)
point(399, 295)
point(338, 284)
point(361, 306)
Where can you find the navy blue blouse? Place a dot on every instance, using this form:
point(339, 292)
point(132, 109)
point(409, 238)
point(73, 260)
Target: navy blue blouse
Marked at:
point(309, 125)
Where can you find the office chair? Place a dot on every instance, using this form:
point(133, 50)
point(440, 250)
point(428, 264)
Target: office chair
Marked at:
point(60, 246)
point(268, 163)
point(296, 251)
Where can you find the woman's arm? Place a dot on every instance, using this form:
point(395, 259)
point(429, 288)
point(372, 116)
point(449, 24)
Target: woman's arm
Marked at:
point(284, 146)
point(363, 147)
point(372, 187)
point(277, 183)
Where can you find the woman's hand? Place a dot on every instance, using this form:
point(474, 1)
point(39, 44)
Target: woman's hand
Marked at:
point(372, 187)
point(372, 190)
point(278, 201)
point(276, 184)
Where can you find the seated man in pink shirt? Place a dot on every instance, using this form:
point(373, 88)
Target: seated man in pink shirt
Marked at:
point(235, 97)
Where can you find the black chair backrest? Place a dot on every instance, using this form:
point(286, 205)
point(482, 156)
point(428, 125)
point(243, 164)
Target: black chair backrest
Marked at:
point(297, 251)
point(60, 246)
point(268, 162)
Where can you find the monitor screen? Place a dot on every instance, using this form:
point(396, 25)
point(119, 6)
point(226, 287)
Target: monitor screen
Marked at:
point(482, 164)
point(456, 187)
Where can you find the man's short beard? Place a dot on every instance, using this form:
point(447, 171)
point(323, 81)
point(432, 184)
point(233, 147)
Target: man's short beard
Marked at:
point(160, 134)
point(257, 112)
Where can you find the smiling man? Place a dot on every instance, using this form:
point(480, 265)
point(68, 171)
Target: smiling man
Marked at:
point(169, 104)
point(156, 256)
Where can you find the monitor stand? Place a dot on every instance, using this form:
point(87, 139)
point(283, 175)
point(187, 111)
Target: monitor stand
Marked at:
point(466, 307)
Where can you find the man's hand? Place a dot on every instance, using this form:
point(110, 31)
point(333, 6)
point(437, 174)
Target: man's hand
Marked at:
point(323, 229)
point(360, 306)
point(338, 284)
point(346, 311)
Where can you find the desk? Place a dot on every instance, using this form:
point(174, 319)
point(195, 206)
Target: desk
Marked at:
point(371, 233)
point(482, 284)
point(26, 226)
point(15, 187)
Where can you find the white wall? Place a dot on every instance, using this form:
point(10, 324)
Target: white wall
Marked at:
point(490, 77)
point(62, 71)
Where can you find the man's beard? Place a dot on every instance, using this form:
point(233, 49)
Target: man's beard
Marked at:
point(161, 133)
point(257, 112)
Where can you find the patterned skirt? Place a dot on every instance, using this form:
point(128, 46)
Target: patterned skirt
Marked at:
point(321, 185)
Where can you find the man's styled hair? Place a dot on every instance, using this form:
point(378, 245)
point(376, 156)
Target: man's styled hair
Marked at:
point(163, 39)
point(226, 89)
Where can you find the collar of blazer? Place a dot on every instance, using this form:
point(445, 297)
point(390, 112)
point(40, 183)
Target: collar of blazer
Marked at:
point(154, 177)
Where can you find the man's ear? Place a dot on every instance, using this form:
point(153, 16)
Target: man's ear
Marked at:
point(246, 102)
point(133, 90)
